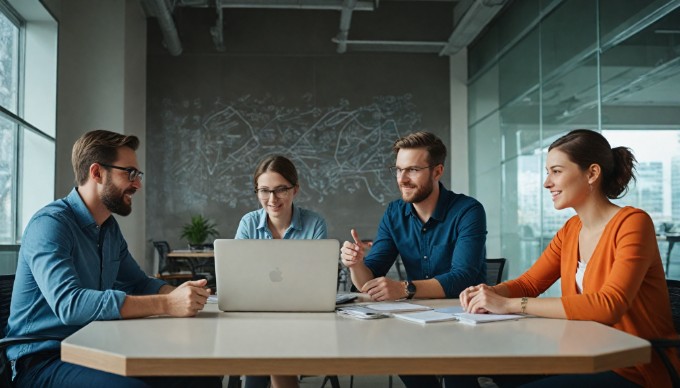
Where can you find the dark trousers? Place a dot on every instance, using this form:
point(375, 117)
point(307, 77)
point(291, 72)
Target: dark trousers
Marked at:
point(46, 369)
point(586, 380)
point(257, 382)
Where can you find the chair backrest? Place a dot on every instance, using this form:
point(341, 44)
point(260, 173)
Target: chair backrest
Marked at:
point(163, 248)
point(494, 271)
point(674, 295)
point(6, 287)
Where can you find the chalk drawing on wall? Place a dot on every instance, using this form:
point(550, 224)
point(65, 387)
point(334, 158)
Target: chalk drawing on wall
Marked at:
point(337, 149)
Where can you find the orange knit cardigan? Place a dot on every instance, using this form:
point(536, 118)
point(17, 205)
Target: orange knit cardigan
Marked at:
point(624, 284)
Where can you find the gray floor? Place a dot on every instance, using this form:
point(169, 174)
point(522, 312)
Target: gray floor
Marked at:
point(359, 382)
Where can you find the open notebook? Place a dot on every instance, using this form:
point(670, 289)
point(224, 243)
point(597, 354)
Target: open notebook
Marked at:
point(455, 314)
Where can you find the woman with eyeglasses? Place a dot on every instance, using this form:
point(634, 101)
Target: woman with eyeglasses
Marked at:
point(276, 185)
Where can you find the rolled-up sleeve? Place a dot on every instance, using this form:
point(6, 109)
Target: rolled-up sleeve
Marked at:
point(131, 279)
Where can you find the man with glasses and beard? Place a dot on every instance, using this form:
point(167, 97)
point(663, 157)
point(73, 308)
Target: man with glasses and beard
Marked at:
point(74, 267)
point(439, 234)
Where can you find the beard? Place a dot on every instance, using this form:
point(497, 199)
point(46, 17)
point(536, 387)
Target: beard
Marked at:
point(114, 199)
point(420, 194)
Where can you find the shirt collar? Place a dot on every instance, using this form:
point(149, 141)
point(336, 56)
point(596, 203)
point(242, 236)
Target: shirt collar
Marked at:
point(295, 222)
point(81, 212)
point(439, 213)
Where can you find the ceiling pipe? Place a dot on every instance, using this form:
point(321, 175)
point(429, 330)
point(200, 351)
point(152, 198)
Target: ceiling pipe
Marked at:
point(422, 47)
point(217, 31)
point(170, 37)
point(345, 21)
point(330, 5)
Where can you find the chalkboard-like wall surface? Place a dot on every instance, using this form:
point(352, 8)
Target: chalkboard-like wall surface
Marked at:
point(211, 118)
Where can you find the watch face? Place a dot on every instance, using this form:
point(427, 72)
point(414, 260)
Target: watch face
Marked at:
point(411, 288)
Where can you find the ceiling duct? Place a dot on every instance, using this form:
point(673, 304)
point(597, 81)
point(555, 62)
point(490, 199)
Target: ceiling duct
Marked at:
point(478, 15)
point(161, 10)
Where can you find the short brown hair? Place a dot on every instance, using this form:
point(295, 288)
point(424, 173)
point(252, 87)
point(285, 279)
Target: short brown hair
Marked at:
point(279, 164)
point(98, 146)
point(435, 147)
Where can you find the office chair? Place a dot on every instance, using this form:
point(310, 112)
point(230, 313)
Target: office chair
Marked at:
point(168, 270)
point(662, 345)
point(494, 271)
point(6, 288)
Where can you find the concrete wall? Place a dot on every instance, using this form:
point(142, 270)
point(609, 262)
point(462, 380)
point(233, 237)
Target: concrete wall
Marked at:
point(101, 85)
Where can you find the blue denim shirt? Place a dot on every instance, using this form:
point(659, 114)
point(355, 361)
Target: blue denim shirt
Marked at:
point(70, 272)
point(449, 247)
point(304, 225)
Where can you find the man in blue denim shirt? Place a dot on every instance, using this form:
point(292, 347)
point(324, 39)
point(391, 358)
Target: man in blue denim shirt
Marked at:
point(74, 268)
point(439, 234)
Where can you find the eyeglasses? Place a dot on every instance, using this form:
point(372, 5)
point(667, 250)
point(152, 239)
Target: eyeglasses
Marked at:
point(279, 192)
point(409, 171)
point(133, 173)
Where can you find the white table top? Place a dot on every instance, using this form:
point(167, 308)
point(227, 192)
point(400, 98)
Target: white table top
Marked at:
point(218, 343)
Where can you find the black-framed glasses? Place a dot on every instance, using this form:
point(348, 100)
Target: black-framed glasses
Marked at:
point(133, 173)
point(279, 192)
point(409, 171)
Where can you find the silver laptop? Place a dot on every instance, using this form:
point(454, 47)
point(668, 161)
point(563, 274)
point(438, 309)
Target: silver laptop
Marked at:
point(276, 275)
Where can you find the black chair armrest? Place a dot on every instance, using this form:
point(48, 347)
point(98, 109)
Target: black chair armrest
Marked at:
point(659, 345)
point(5, 369)
point(11, 341)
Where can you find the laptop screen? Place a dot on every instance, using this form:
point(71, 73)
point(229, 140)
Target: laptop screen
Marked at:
point(276, 275)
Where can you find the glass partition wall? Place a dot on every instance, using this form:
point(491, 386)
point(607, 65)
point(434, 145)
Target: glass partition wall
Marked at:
point(546, 67)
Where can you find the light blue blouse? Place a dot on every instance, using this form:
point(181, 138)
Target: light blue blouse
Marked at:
point(305, 225)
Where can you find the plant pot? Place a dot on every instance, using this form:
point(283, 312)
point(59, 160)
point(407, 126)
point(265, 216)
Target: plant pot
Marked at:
point(196, 247)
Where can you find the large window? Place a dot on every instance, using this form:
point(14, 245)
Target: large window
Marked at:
point(27, 95)
point(606, 65)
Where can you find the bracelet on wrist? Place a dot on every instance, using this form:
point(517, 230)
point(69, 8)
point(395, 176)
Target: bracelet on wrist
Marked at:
point(523, 305)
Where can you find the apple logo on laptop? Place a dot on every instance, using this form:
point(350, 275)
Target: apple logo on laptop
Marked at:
point(276, 275)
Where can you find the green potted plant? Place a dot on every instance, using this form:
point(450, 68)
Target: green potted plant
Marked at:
point(197, 232)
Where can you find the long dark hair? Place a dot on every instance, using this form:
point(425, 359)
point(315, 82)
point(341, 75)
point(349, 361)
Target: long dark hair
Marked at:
point(585, 147)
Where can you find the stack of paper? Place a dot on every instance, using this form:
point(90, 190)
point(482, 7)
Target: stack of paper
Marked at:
point(455, 314)
point(361, 312)
point(426, 317)
point(396, 307)
point(474, 319)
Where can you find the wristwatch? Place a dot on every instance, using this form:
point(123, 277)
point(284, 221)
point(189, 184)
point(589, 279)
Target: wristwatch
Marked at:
point(410, 289)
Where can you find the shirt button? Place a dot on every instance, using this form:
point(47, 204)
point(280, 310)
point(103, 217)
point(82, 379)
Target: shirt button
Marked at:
point(427, 277)
point(424, 229)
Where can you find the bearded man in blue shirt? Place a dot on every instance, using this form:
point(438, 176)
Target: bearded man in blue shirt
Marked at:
point(74, 267)
point(440, 235)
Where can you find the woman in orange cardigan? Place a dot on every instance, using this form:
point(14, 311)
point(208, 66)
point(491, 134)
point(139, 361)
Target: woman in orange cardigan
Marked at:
point(606, 256)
